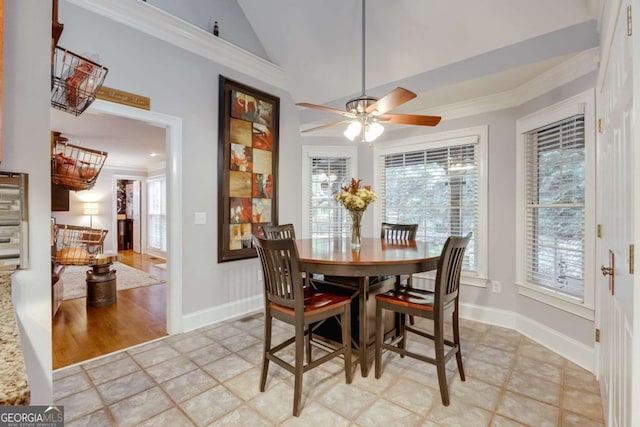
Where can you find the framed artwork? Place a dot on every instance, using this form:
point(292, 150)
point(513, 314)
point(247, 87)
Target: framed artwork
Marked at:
point(247, 167)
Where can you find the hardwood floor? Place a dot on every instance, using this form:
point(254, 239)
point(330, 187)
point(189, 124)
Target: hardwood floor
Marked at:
point(139, 315)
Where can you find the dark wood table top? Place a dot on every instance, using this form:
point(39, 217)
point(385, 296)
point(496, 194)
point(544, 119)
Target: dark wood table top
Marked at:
point(375, 257)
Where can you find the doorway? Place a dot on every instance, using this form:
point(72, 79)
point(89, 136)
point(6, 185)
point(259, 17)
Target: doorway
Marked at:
point(170, 301)
point(128, 214)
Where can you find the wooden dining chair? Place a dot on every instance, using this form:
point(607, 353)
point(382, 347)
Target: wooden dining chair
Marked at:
point(287, 231)
point(286, 300)
point(284, 231)
point(431, 305)
point(389, 231)
point(402, 233)
point(399, 233)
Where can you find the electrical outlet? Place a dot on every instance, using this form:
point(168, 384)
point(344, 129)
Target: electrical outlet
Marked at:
point(495, 286)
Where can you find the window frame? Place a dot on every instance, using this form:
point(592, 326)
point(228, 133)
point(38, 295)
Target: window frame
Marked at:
point(583, 103)
point(310, 152)
point(438, 140)
point(149, 181)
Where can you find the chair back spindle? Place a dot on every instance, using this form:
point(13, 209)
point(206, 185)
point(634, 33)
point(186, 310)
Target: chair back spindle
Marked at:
point(397, 232)
point(282, 277)
point(284, 231)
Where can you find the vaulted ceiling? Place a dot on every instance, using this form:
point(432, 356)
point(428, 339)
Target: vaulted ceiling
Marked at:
point(318, 43)
point(445, 51)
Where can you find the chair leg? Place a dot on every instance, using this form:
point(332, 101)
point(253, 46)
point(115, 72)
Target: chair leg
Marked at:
point(266, 349)
point(307, 344)
point(298, 368)
point(403, 332)
point(441, 363)
point(456, 340)
point(345, 321)
point(411, 319)
point(379, 339)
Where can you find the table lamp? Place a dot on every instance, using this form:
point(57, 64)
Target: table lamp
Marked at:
point(91, 209)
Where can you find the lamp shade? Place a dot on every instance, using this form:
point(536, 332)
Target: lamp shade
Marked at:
point(91, 208)
point(353, 130)
point(373, 131)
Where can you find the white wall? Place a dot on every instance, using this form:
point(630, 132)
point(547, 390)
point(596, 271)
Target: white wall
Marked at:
point(25, 144)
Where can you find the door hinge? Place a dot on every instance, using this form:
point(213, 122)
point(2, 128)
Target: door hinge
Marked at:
point(629, 29)
point(597, 335)
point(599, 231)
point(599, 125)
point(631, 256)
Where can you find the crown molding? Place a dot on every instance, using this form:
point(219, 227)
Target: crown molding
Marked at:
point(577, 66)
point(171, 29)
point(125, 168)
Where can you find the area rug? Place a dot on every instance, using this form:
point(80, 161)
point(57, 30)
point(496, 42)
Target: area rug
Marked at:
point(74, 279)
point(162, 266)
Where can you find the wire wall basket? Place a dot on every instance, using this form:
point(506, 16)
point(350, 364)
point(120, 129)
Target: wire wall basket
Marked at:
point(76, 245)
point(74, 81)
point(75, 168)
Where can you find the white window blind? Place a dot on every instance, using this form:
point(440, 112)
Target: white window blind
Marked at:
point(436, 188)
point(327, 218)
point(555, 206)
point(157, 208)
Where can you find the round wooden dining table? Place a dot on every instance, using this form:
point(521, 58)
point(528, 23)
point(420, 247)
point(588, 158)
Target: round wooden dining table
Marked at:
point(375, 258)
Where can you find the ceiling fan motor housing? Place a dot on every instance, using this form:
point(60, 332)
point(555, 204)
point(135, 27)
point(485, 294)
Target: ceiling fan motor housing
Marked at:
point(360, 104)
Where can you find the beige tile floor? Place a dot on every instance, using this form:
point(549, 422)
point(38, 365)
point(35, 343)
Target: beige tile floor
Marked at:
point(210, 377)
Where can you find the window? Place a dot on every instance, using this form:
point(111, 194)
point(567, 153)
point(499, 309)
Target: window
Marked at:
point(555, 205)
point(326, 170)
point(157, 207)
point(440, 184)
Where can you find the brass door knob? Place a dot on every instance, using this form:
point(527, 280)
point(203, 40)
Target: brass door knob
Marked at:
point(606, 271)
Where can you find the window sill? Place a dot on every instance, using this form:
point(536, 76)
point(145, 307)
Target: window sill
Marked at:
point(468, 280)
point(557, 300)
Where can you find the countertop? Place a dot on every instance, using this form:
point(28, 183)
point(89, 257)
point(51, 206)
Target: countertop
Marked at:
point(13, 376)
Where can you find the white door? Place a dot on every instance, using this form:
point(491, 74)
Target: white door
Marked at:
point(616, 211)
point(136, 217)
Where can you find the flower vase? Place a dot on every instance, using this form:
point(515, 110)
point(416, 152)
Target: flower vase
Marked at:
point(356, 221)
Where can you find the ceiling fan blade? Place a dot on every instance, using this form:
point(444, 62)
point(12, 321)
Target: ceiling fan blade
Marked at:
point(327, 125)
point(391, 100)
point(327, 109)
point(410, 119)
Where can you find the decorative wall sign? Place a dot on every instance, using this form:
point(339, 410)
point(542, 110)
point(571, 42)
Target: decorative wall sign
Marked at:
point(247, 167)
point(122, 97)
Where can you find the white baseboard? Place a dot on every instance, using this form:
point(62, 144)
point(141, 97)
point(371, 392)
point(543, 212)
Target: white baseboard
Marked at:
point(492, 316)
point(231, 310)
point(566, 346)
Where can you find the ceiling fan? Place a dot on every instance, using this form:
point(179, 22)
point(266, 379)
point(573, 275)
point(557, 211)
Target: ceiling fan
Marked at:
point(366, 113)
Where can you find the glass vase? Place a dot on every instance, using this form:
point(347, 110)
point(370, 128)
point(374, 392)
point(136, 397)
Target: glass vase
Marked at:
point(356, 222)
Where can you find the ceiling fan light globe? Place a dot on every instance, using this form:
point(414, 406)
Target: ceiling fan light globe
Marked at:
point(353, 130)
point(373, 131)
